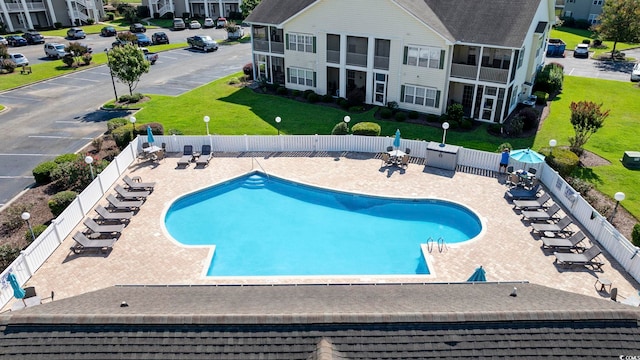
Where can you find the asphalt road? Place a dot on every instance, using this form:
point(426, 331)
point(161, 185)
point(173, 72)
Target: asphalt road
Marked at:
point(62, 115)
point(608, 70)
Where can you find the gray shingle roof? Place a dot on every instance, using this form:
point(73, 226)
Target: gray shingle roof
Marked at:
point(322, 321)
point(491, 22)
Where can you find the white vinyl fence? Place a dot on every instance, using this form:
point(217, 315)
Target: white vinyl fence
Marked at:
point(37, 253)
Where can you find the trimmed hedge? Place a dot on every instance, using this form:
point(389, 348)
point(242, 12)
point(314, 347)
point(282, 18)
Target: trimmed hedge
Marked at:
point(563, 160)
point(61, 159)
point(635, 235)
point(37, 230)
point(60, 201)
point(42, 172)
point(341, 128)
point(366, 129)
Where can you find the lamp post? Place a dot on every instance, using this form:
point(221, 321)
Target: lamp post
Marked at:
point(619, 196)
point(346, 119)
point(206, 120)
point(133, 126)
point(26, 216)
point(111, 73)
point(445, 126)
point(89, 160)
point(278, 119)
point(552, 144)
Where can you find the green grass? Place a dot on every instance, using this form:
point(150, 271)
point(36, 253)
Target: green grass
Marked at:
point(619, 133)
point(573, 37)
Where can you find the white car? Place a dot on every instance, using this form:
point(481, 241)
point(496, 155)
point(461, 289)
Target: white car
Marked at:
point(209, 23)
point(635, 73)
point(582, 50)
point(19, 59)
point(54, 50)
point(3, 41)
point(195, 24)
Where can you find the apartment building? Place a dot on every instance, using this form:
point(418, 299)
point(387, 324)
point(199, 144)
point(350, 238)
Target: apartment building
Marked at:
point(21, 15)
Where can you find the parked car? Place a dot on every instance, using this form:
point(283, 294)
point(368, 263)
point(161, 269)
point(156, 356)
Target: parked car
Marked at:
point(582, 50)
point(194, 24)
point(178, 24)
point(3, 41)
point(635, 73)
point(159, 38)
point(221, 22)
point(143, 40)
point(54, 50)
point(202, 42)
point(33, 37)
point(108, 31)
point(76, 33)
point(137, 28)
point(150, 56)
point(209, 23)
point(19, 59)
point(16, 40)
point(120, 42)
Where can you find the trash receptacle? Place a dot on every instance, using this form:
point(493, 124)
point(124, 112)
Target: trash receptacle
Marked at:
point(631, 159)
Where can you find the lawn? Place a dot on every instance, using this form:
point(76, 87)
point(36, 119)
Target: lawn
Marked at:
point(619, 133)
point(573, 37)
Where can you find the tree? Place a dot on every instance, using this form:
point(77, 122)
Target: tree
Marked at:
point(620, 21)
point(248, 6)
point(586, 117)
point(127, 64)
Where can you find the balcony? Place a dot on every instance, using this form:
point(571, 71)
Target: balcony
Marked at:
point(277, 47)
point(260, 45)
point(31, 6)
point(356, 59)
point(463, 71)
point(489, 74)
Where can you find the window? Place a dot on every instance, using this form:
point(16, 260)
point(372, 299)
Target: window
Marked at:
point(597, 2)
point(593, 19)
point(301, 77)
point(521, 56)
point(301, 42)
point(429, 57)
point(419, 95)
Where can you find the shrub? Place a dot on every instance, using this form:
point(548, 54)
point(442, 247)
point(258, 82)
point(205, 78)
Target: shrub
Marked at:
point(356, 108)
point(393, 106)
point(635, 235)
point(583, 24)
point(313, 98)
point(562, 160)
point(400, 116)
point(58, 202)
point(168, 15)
point(97, 143)
point(90, 21)
point(61, 159)
point(495, 128)
point(455, 113)
point(156, 129)
point(8, 253)
point(295, 93)
point(597, 42)
point(344, 103)
point(281, 90)
point(86, 58)
point(8, 65)
point(58, 24)
point(131, 99)
point(68, 60)
point(143, 11)
point(579, 185)
point(541, 97)
point(116, 123)
point(327, 98)
point(122, 136)
point(366, 129)
point(247, 69)
point(386, 113)
point(413, 114)
point(341, 128)
point(435, 118)
point(550, 78)
point(76, 175)
point(156, 15)
point(514, 126)
point(586, 41)
point(175, 132)
point(466, 124)
point(529, 117)
point(37, 230)
point(13, 217)
point(42, 172)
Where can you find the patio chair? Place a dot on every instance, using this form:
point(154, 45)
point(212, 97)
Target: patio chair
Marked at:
point(105, 215)
point(587, 258)
point(569, 243)
point(523, 194)
point(513, 180)
point(187, 156)
point(407, 151)
point(389, 148)
point(205, 156)
point(132, 185)
point(130, 195)
point(404, 162)
point(546, 215)
point(539, 203)
point(83, 243)
point(102, 229)
point(532, 171)
point(386, 159)
point(559, 228)
point(510, 169)
point(121, 205)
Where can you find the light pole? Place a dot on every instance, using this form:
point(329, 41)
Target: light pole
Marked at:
point(26, 216)
point(206, 121)
point(346, 119)
point(552, 144)
point(445, 126)
point(89, 160)
point(278, 119)
point(111, 73)
point(133, 126)
point(619, 196)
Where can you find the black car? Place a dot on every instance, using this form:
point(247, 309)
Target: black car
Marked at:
point(16, 40)
point(33, 37)
point(108, 31)
point(159, 38)
point(137, 28)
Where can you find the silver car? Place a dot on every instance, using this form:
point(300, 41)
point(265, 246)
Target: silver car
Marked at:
point(635, 73)
point(3, 41)
point(19, 59)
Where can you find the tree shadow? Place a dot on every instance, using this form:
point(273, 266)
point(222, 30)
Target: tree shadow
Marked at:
point(588, 175)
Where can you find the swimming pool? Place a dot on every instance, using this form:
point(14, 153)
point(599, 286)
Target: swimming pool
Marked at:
point(267, 226)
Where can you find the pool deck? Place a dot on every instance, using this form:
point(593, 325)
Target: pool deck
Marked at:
point(144, 254)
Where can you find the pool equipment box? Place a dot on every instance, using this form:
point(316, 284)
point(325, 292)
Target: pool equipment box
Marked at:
point(631, 159)
point(442, 156)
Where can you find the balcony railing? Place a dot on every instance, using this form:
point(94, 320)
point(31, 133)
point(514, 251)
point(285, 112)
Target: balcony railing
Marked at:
point(277, 47)
point(381, 62)
point(260, 45)
point(464, 71)
point(494, 75)
point(356, 59)
point(333, 56)
point(31, 5)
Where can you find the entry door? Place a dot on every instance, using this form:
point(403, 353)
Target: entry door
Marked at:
point(489, 103)
point(380, 89)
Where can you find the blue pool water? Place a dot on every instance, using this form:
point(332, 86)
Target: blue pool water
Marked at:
point(268, 226)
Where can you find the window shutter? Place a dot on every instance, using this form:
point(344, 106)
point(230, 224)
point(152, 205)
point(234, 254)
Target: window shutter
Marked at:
point(286, 37)
point(406, 53)
point(441, 59)
point(314, 49)
point(288, 75)
point(314, 79)
point(438, 98)
point(402, 93)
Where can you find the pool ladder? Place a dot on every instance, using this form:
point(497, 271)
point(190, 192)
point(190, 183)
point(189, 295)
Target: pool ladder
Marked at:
point(442, 245)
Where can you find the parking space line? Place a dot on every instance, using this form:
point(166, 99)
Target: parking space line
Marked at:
point(16, 177)
point(23, 154)
point(58, 137)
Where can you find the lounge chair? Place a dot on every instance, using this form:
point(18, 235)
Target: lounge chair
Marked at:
point(82, 243)
point(538, 203)
point(564, 243)
point(132, 185)
point(102, 229)
point(559, 228)
point(130, 195)
point(587, 258)
point(105, 215)
point(546, 215)
point(205, 156)
point(187, 156)
point(517, 193)
point(123, 205)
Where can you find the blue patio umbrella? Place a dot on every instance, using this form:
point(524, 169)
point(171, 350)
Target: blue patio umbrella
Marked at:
point(526, 156)
point(18, 292)
point(396, 141)
point(150, 138)
point(478, 275)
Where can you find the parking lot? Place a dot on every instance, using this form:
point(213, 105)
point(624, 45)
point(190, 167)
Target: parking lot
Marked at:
point(609, 70)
